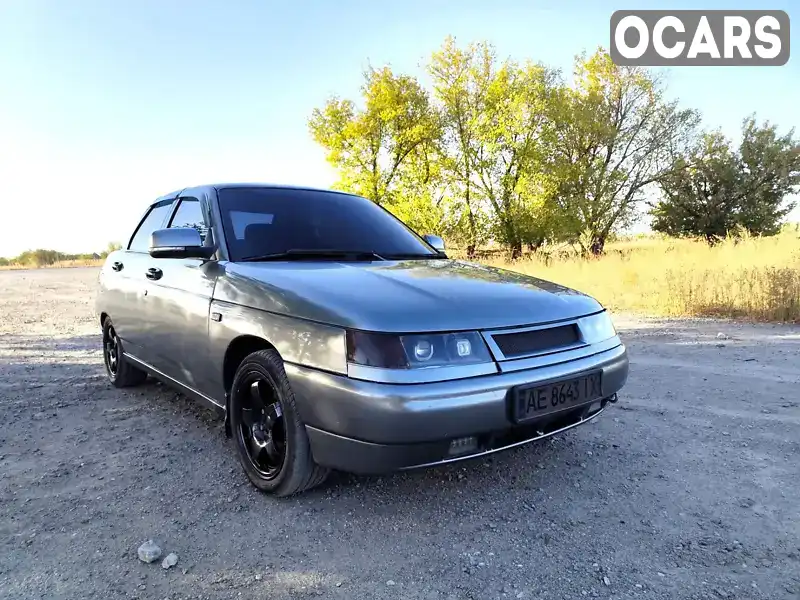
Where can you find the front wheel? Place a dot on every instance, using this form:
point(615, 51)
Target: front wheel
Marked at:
point(270, 438)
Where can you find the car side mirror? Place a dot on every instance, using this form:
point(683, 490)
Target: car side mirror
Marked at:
point(179, 242)
point(435, 241)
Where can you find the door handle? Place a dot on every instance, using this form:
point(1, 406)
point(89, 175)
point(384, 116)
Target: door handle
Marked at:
point(154, 273)
point(117, 266)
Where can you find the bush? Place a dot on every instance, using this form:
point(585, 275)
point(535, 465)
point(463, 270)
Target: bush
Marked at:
point(48, 258)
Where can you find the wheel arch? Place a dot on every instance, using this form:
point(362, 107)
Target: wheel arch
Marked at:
point(238, 349)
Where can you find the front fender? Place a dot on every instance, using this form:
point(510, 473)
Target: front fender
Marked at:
point(298, 341)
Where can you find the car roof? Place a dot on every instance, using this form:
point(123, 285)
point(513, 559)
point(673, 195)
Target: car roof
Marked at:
point(219, 186)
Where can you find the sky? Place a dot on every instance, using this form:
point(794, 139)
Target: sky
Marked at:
point(105, 106)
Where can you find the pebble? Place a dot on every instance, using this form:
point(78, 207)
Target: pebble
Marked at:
point(606, 580)
point(390, 582)
point(149, 551)
point(170, 560)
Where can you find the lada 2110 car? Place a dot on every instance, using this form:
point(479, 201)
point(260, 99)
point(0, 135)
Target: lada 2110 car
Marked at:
point(330, 335)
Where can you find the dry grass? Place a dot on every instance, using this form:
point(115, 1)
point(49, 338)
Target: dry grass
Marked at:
point(749, 278)
point(61, 264)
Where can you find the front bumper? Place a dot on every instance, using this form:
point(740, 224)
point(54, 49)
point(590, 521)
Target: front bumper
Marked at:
point(368, 427)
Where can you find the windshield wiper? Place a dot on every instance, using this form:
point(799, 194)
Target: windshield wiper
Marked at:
point(310, 254)
point(415, 256)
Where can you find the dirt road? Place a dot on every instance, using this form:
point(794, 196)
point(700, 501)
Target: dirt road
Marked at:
point(688, 488)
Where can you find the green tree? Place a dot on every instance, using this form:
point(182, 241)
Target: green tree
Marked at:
point(700, 193)
point(371, 145)
point(38, 258)
point(769, 167)
point(111, 247)
point(496, 135)
point(459, 86)
point(617, 135)
point(515, 133)
point(716, 190)
point(421, 197)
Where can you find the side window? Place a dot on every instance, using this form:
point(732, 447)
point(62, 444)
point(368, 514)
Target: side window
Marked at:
point(140, 242)
point(190, 214)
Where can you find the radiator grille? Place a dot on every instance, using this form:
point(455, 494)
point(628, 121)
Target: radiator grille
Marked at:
point(537, 341)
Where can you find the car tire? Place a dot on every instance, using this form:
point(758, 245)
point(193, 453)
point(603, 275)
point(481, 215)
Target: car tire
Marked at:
point(120, 371)
point(270, 438)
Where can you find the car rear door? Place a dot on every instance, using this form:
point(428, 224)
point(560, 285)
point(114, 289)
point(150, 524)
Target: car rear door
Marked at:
point(125, 285)
point(179, 300)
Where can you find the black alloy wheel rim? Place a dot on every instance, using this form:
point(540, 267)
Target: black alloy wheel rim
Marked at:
point(111, 351)
point(262, 431)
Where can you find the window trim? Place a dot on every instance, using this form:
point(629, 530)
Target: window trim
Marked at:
point(150, 209)
point(209, 240)
point(215, 211)
point(178, 203)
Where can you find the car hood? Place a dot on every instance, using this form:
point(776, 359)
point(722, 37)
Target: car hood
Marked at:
point(401, 296)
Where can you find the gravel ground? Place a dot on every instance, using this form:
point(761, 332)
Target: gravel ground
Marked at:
point(687, 488)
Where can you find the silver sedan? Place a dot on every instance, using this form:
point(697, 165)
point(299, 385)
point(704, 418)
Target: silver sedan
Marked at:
point(331, 336)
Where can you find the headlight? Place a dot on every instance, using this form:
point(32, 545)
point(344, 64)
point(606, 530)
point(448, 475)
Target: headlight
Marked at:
point(596, 328)
point(390, 351)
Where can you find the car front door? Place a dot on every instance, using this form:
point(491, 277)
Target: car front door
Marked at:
point(125, 289)
point(179, 300)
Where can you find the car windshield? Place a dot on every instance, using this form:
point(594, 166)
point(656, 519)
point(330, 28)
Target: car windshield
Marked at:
point(268, 222)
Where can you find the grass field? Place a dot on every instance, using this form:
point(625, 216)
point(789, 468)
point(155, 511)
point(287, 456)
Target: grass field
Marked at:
point(749, 278)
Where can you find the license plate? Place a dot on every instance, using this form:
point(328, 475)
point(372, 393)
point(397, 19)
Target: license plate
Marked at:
point(536, 401)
